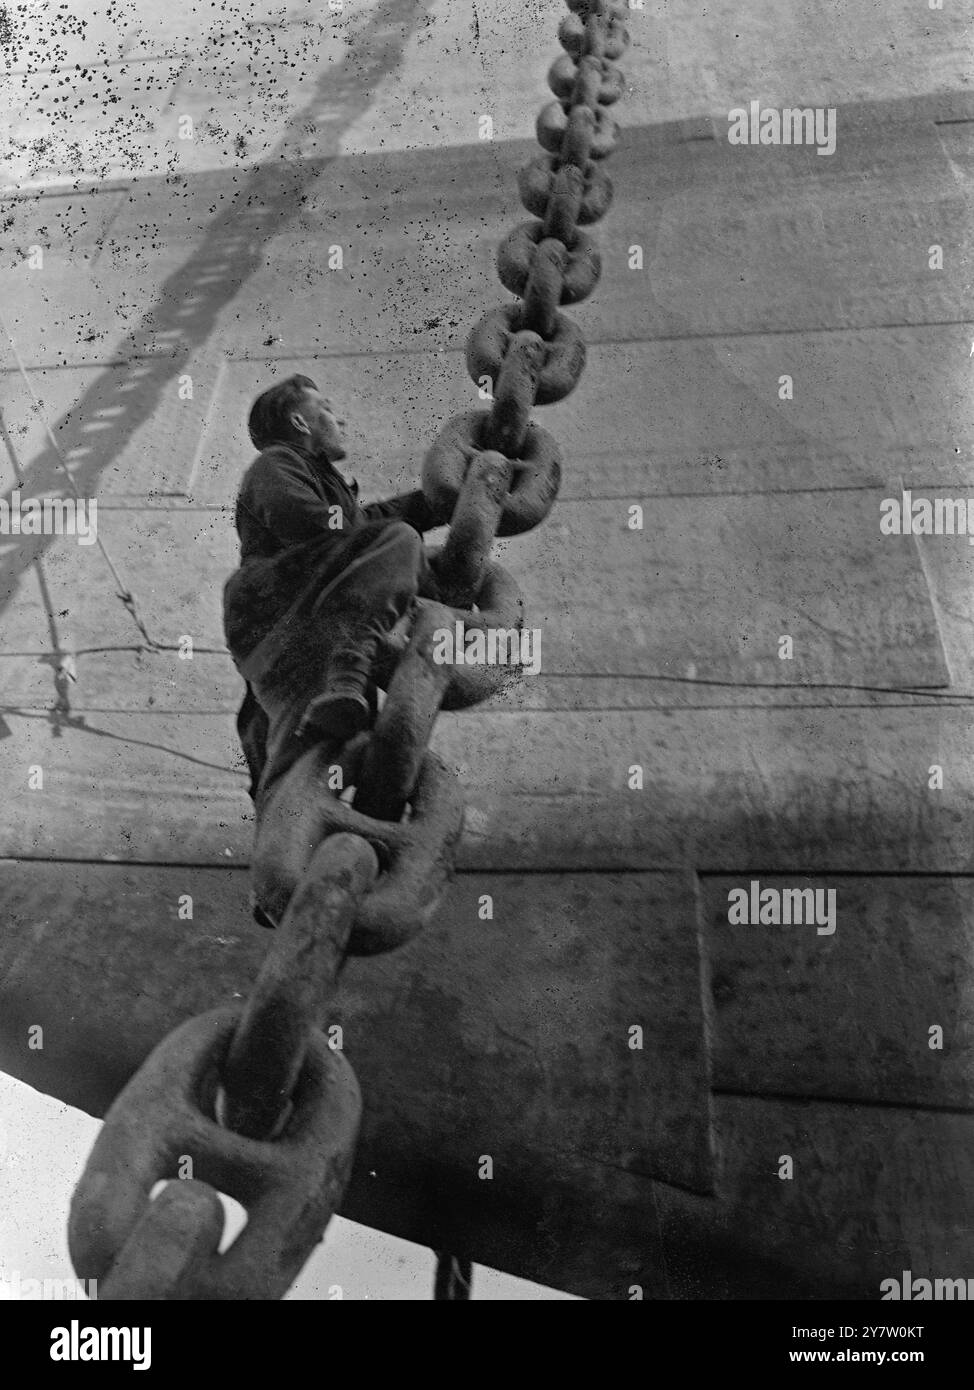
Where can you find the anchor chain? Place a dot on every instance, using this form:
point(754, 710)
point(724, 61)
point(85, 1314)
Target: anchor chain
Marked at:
point(253, 1094)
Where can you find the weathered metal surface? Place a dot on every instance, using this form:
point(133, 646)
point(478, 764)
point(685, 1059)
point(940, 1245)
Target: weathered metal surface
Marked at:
point(536, 1000)
point(875, 1190)
point(879, 1187)
point(826, 789)
point(504, 1043)
point(718, 573)
point(844, 251)
point(863, 1002)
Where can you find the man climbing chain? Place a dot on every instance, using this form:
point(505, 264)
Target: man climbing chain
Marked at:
point(267, 1111)
point(321, 585)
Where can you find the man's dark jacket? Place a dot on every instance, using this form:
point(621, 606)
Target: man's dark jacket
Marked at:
point(283, 515)
point(285, 497)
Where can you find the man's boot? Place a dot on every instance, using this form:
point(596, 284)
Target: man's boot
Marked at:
point(344, 708)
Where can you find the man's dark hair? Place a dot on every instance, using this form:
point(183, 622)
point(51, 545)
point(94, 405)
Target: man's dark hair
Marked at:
point(269, 418)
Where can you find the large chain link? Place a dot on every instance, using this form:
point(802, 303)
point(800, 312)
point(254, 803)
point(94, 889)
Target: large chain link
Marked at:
point(253, 1095)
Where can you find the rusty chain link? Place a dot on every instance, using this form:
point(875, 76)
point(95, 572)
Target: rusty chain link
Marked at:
point(253, 1094)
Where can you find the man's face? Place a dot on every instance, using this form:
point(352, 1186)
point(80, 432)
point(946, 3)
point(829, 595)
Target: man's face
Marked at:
point(320, 427)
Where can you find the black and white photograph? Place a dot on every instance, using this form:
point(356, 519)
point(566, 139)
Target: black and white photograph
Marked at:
point(487, 662)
